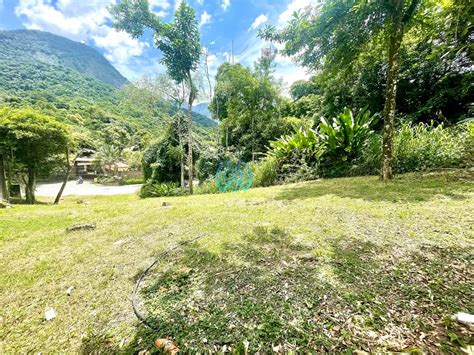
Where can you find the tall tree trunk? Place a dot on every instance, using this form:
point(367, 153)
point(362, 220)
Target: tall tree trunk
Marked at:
point(10, 159)
point(390, 98)
point(182, 159)
point(66, 178)
point(208, 76)
point(3, 180)
point(182, 167)
point(190, 134)
point(30, 186)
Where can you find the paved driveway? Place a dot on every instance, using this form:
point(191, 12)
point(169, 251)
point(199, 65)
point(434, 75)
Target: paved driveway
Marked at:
point(87, 188)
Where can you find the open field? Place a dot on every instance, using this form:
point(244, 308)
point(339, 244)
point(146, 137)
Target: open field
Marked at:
point(325, 265)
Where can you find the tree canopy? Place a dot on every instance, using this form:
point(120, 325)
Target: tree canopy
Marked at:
point(34, 140)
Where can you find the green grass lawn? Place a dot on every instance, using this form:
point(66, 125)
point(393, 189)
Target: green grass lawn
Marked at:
point(349, 263)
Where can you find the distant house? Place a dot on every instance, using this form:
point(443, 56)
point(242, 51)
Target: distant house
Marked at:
point(84, 164)
point(117, 168)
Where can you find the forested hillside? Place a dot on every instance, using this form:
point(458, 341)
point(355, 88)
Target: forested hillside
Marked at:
point(78, 86)
point(25, 54)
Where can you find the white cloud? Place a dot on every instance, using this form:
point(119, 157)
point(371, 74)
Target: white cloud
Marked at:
point(160, 13)
point(260, 20)
point(161, 4)
point(205, 19)
point(85, 21)
point(119, 46)
point(293, 7)
point(41, 15)
point(147, 68)
point(158, 7)
point(225, 4)
point(177, 3)
point(212, 58)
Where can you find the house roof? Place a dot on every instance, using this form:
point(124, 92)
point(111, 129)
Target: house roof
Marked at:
point(84, 160)
point(119, 164)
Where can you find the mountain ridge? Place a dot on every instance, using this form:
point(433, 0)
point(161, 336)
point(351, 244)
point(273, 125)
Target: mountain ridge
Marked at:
point(37, 66)
point(53, 50)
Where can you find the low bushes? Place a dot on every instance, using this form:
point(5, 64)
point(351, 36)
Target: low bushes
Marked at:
point(131, 181)
point(151, 189)
point(264, 172)
point(423, 147)
point(206, 188)
point(420, 147)
point(347, 146)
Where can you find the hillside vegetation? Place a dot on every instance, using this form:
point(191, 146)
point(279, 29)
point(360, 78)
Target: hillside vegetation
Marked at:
point(75, 84)
point(350, 263)
point(27, 49)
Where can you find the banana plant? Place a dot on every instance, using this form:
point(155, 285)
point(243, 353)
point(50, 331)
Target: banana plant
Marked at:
point(344, 134)
point(303, 145)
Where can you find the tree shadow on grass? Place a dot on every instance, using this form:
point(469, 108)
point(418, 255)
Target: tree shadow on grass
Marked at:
point(406, 188)
point(279, 292)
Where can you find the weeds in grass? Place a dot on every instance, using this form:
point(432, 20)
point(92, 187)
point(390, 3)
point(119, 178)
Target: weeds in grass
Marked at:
point(273, 290)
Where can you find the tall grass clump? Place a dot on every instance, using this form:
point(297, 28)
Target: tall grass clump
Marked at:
point(264, 172)
point(423, 147)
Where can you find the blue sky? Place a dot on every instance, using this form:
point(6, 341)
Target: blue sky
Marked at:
point(221, 23)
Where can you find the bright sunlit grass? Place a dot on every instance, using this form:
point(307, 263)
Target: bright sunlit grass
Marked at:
point(331, 264)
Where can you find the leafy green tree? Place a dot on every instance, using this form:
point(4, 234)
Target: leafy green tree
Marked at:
point(264, 68)
point(335, 34)
point(106, 156)
point(301, 88)
point(435, 75)
point(35, 139)
point(179, 42)
point(163, 160)
point(247, 105)
point(306, 107)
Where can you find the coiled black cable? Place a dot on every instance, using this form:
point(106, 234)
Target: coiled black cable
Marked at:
point(136, 309)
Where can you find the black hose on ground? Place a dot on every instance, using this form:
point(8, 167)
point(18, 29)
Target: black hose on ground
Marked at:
point(136, 310)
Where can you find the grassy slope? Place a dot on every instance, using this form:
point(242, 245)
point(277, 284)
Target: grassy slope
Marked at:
point(329, 264)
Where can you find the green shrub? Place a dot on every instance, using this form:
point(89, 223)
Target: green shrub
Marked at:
point(297, 155)
point(161, 161)
point(131, 181)
point(206, 188)
point(419, 147)
point(207, 164)
point(369, 160)
point(303, 145)
point(424, 147)
point(151, 189)
point(106, 180)
point(264, 172)
point(344, 137)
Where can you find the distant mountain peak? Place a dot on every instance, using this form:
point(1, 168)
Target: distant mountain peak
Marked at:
point(49, 49)
point(203, 109)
